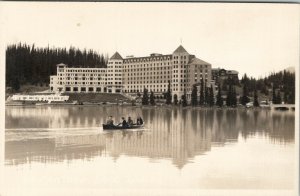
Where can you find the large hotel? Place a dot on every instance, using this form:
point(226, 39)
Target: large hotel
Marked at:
point(132, 74)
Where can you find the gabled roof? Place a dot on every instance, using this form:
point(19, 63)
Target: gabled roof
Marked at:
point(180, 49)
point(196, 61)
point(116, 56)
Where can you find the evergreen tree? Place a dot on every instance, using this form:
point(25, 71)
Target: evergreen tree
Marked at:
point(32, 65)
point(285, 96)
point(255, 102)
point(278, 97)
point(229, 96)
point(152, 101)
point(206, 97)
point(201, 102)
point(194, 96)
point(145, 99)
point(183, 98)
point(219, 99)
point(175, 99)
point(274, 97)
point(211, 96)
point(168, 94)
point(245, 99)
point(233, 97)
point(15, 84)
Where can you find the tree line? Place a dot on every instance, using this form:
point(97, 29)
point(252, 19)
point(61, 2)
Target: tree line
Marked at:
point(28, 64)
point(281, 85)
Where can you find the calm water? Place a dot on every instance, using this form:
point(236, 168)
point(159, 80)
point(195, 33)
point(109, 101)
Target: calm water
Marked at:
point(62, 148)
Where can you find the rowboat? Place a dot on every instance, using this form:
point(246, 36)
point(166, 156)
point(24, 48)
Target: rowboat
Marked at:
point(112, 127)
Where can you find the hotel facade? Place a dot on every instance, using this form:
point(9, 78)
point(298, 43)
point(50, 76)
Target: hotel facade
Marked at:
point(131, 75)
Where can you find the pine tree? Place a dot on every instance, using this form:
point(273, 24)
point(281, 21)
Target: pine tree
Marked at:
point(201, 102)
point(245, 99)
point(15, 84)
point(255, 102)
point(219, 99)
point(183, 98)
point(211, 96)
point(233, 97)
point(229, 96)
point(194, 96)
point(34, 65)
point(274, 97)
point(145, 99)
point(278, 97)
point(206, 97)
point(168, 94)
point(175, 99)
point(152, 101)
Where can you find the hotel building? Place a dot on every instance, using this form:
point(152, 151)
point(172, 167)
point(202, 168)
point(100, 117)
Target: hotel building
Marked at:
point(132, 74)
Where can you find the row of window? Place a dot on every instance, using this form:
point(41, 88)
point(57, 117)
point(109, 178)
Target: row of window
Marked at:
point(147, 69)
point(147, 65)
point(114, 75)
point(87, 70)
point(113, 67)
point(85, 89)
point(180, 57)
point(114, 78)
point(84, 83)
point(81, 74)
point(181, 62)
point(114, 82)
point(147, 82)
point(148, 73)
point(113, 62)
point(117, 70)
point(141, 79)
point(141, 90)
point(161, 58)
point(83, 78)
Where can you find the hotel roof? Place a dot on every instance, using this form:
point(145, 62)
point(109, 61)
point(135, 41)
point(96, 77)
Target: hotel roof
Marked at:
point(196, 61)
point(180, 49)
point(116, 56)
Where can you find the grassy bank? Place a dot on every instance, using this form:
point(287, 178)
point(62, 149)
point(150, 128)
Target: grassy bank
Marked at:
point(97, 97)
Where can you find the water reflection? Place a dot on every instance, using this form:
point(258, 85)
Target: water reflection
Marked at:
point(53, 134)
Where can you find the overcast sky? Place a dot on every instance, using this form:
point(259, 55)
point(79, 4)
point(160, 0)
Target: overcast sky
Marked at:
point(251, 38)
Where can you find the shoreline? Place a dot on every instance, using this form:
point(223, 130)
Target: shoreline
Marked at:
point(18, 104)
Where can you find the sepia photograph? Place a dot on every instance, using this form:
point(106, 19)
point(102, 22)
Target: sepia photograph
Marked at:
point(156, 98)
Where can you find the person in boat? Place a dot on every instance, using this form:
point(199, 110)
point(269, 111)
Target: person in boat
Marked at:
point(130, 121)
point(110, 121)
point(123, 123)
point(139, 120)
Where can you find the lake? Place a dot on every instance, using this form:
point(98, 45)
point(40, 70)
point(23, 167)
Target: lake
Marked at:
point(62, 150)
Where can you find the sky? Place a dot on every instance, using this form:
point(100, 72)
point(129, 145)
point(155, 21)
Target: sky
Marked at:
point(256, 39)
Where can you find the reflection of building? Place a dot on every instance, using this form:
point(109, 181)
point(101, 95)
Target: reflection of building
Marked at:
point(133, 74)
point(174, 134)
point(170, 136)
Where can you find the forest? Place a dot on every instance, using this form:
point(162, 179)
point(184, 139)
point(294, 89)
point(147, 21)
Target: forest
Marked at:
point(27, 64)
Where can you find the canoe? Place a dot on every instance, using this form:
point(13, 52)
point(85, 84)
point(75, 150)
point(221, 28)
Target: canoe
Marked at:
point(112, 127)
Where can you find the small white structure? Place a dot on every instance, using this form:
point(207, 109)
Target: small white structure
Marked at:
point(47, 97)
